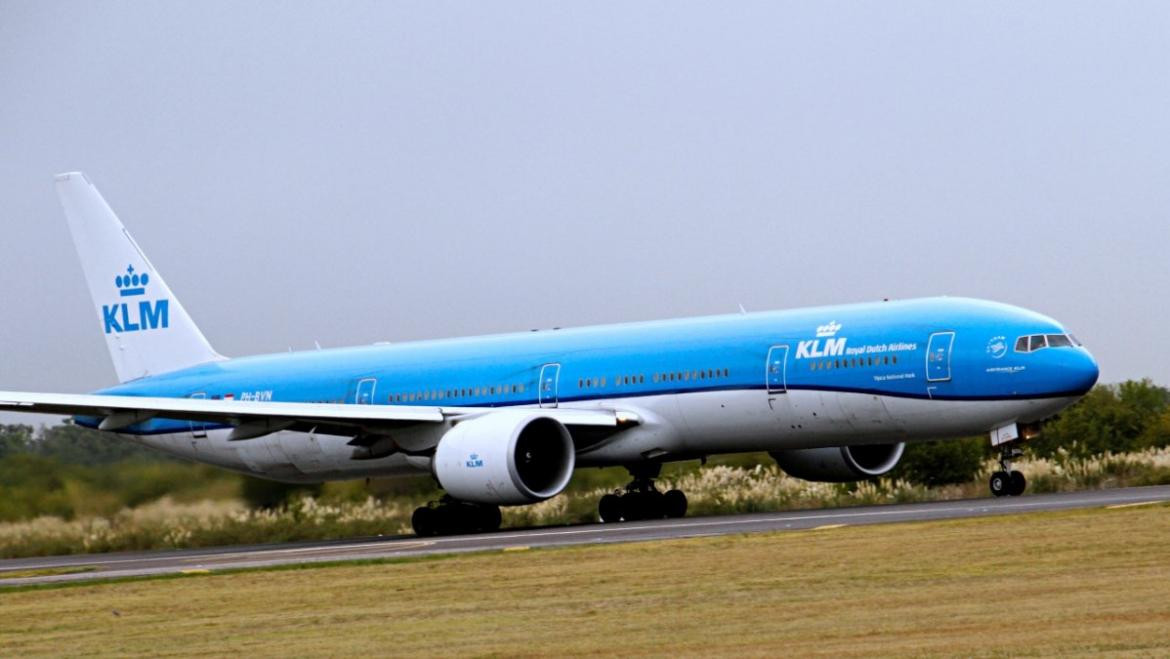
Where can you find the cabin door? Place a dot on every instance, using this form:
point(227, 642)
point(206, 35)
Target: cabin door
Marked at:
point(546, 389)
point(363, 393)
point(776, 370)
point(938, 356)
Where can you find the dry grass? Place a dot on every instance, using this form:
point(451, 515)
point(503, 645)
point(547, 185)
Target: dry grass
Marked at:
point(1053, 584)
point(713, 490)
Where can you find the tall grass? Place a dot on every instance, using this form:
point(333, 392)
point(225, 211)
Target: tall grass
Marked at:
point(716, 489)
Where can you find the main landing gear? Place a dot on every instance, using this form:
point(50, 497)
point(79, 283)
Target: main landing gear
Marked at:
point(1006, 481)
point(641, 500)
point(451, 517)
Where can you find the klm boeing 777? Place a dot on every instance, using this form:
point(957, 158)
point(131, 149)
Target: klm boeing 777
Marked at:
point(832, 393)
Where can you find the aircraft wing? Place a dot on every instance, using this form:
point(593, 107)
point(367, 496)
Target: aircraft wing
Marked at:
point(255, 419)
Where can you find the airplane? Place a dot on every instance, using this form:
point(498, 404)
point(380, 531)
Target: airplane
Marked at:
point(832, 393)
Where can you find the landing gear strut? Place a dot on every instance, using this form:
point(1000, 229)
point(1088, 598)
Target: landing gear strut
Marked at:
point(450, 517)
point(1006, 481)
point(641, 500)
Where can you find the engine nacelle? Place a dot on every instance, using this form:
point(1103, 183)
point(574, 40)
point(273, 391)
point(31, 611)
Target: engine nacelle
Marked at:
point(840, 464)
point(507, 457)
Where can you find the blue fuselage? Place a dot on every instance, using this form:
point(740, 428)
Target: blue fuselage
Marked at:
point(951, 349)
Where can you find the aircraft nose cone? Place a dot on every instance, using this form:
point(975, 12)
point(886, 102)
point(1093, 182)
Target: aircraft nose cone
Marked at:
point(1083, 372)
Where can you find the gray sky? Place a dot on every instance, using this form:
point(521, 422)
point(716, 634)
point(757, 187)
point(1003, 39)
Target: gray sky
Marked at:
point(352, 172)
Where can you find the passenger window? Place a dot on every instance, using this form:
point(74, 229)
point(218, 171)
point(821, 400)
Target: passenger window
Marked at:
point(1036, 342)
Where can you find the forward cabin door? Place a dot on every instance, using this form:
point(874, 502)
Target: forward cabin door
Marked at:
point(938, 362)
point(546, 388)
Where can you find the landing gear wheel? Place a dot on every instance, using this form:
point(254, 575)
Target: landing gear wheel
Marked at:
point(610, 508)
point(641, 500)
point(1000, 483)
point(632, 506)
point(489, 519)
point(1007, 481)
point(653, 505)
point(425, 522)
point(674, 504)
point(451, 517)
point(1016, 483)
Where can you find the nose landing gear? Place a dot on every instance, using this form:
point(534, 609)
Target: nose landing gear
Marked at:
point(1006, 481)
point(641, 499)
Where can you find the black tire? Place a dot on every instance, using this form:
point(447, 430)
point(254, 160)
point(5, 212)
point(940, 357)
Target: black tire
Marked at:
point(653, 505)
point(448, 520)
point(610, 508)
point(632, 506)
point(674, 504)
point(489, 519)
point(424, 521)
point(1000, 483)
point(1017, 484)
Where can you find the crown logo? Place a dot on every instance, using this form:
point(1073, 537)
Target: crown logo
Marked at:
point(829, 330)
point(131, 283)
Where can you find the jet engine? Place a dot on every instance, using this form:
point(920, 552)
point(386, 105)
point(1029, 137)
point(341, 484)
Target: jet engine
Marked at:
point(840, 464)
point(508, 457)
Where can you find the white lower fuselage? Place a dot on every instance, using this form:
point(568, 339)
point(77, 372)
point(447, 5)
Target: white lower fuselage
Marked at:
point(676, 426)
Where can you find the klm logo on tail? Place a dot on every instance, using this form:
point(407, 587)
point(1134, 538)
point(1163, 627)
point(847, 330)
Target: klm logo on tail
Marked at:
point(127, 316)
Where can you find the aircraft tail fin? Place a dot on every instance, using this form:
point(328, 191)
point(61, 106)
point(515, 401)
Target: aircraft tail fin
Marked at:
point(147, 330)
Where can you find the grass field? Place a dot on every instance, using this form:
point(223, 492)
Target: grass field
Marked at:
point(1053, 584)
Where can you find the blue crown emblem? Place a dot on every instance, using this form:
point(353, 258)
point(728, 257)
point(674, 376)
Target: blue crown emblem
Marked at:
point(131, 283)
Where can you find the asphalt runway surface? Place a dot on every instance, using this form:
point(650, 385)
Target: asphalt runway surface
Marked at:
point(198, 561)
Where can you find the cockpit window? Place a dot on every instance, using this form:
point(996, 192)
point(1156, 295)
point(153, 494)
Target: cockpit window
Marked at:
point(1035, 342)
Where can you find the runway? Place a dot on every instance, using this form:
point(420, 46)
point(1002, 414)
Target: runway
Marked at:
point(56, 569)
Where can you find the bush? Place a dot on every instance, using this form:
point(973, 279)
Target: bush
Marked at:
point(1110, 419)
point(942, 462)
point(266, 494)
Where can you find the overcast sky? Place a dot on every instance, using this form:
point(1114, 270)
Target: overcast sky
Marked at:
point(353, 172)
